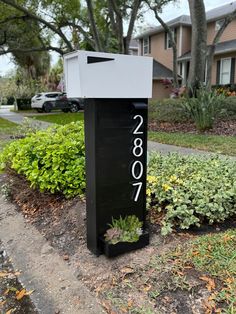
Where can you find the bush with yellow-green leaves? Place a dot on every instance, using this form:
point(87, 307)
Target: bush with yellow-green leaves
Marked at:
point(191, 190)
point(52, 160)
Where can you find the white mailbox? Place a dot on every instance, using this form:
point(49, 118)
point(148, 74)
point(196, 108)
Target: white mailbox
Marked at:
point(104, 75)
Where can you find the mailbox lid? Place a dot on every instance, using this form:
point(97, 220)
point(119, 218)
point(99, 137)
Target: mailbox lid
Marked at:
point(104, 75)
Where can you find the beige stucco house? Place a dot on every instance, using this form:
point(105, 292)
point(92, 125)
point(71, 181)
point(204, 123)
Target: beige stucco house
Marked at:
point(155, 42)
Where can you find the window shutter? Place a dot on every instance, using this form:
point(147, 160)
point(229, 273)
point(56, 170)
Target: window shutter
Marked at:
point(232, 74)
point(149, 43)
point(165, 40)
point(218, 72)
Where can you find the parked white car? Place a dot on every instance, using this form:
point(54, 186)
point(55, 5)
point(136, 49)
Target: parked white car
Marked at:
point(56, 100)
point(44, 101)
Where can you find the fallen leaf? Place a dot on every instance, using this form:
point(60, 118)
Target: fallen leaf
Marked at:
point(130, 303)
point(2, 302)
point(3, 274)
point(127, 270)
point(29, 292)
point(6, 292)
point(210, 283)
point(20, 294)
point(147, 288)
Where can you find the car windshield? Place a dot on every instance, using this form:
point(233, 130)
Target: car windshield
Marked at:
point(51, 95)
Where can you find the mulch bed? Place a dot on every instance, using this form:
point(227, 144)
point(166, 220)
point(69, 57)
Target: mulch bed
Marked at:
point(220, 128)
point(131, 283)
point(9, 286)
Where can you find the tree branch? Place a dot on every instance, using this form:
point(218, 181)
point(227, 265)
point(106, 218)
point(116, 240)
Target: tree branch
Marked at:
point(80, 29)
point(39, 19)
point(12, 18)
point(4, 39)
point(36, 49)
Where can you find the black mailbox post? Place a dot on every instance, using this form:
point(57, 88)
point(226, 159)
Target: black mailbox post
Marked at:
point(116, 158)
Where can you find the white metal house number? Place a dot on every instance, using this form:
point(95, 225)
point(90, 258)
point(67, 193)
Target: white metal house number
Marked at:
point(137, 151)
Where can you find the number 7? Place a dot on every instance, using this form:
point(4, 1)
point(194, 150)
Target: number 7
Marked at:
point(139, 185)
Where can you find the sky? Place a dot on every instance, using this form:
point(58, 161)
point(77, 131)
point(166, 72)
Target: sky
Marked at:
point(171, 11)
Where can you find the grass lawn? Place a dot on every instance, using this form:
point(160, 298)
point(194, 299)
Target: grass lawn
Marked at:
point(213, 143)
point(215, 255)
point(5, 124)
point(7, 128)
point(61, 118)
point(199, 274)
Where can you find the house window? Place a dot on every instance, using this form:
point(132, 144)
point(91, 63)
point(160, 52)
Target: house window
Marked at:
point(146, 45)
point(167, 38)
point(225, 69)
point(168, 41)
point(218, 24)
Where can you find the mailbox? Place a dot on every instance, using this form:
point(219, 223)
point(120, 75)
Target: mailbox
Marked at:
point(116, 88)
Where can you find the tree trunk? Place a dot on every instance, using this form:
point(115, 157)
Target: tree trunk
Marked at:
point(198, 45)
point(98, 46)
point(175, 67)
point(133, 16)
point(210, 59)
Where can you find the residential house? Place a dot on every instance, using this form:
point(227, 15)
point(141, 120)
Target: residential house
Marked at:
point(155, 42)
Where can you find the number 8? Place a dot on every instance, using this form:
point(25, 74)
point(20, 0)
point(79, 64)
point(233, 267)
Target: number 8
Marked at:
point(138, 142)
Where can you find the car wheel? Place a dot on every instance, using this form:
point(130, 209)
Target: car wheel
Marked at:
point(65, 110)
point(73, 107)
point(47, 107)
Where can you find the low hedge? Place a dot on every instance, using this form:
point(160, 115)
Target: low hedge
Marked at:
point(23, 103)
point(52, 160)
point(172, 110)
point(167, 110)
point(191, 191)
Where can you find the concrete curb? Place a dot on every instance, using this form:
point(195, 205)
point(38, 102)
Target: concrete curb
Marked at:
point(56, 288)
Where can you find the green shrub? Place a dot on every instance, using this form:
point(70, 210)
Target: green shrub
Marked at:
point(191, 190)
point(204, 108)
point(167, 110)
point(228, 108)
point(52, 160)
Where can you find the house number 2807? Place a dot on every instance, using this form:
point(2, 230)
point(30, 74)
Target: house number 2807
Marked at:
point(137, 151)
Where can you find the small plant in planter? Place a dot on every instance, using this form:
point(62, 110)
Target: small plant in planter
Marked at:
point(124, 235)
point(126, 229)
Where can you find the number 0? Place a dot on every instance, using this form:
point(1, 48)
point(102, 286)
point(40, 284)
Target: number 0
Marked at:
point(139, 175)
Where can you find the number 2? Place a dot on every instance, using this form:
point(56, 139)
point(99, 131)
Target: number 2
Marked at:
point(136, 130)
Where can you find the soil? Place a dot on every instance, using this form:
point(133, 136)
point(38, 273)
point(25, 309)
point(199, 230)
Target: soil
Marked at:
point(137, 282)
point(220, 128)
point(9, 285)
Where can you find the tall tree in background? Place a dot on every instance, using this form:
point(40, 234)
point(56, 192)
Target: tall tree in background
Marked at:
point(198, 45)
point(75, 22)
point(157, 7)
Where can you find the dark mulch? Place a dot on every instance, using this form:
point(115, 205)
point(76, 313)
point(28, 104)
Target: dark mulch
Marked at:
point(9, 285)
point(220, 128)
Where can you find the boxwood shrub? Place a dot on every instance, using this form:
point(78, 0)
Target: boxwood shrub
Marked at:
point(52, 160)
point(191, 191)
